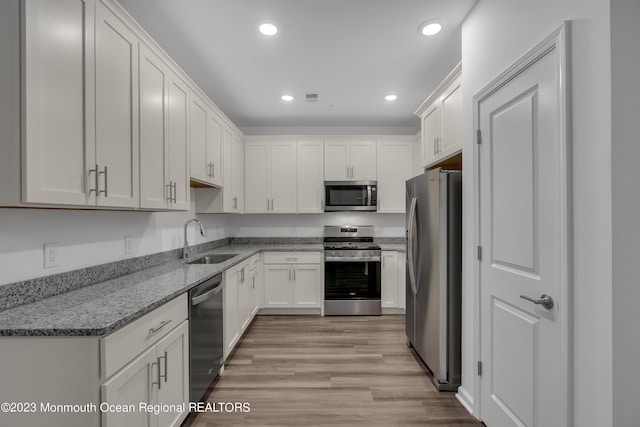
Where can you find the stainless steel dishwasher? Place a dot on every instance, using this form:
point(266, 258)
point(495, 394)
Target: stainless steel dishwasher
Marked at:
point(205, 335)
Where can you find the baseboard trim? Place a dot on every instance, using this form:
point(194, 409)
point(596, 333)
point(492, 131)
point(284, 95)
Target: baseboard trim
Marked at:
point(465, 400)
point(293, 311)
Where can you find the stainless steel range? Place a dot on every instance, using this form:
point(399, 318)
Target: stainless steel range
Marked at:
point(351, 271)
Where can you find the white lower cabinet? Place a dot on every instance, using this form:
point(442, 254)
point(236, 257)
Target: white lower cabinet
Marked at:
point(393, 280)
point(240, 300)
point(159, 375)
point(292, 279)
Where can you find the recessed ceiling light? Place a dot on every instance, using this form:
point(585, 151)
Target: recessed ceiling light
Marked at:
point(430, 28)
point(268, 29)
point(287, 98)
point(391, 97)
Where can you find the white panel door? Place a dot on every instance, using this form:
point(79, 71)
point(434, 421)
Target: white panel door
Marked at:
point(310, 176)
point(153, 130)
point(307, 282)
point(198, 139)
point(431, 133)
point(178, 144)
point(451, 119)
point(173, 356)
point(277, 286)
point(394, 169)
point(133, 384)
point(117, 146)
point(522, 217)
point(336, 161)
point(214, 148)
point(283, 177)
point(58, 70)
point(389, 281)
point(363, 160)
point(256, 165)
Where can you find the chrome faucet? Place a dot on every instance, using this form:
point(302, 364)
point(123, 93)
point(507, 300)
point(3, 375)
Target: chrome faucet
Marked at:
point(185, 250)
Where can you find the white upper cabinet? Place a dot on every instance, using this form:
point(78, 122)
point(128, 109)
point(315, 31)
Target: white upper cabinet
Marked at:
point(164, 182)
point(233, 170)
point(116, 99)
point(441, 120)
point(206, 130)
point(310, 176)
point(57, 68)
point(352, 160)
point(271, 177)
point(394, 169)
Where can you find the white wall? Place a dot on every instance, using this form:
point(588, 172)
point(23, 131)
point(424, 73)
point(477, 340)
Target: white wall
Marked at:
point(494, 35)
point(625, 68)
point(93, 237)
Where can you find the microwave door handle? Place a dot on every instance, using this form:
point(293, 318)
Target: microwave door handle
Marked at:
point(369, 202)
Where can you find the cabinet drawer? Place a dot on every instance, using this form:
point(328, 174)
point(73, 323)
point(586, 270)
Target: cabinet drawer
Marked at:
point(125, 344)
point(292, 257)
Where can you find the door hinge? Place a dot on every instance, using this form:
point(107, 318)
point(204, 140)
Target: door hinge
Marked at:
point(479, 253)
point(478, 136)
point(479, 368)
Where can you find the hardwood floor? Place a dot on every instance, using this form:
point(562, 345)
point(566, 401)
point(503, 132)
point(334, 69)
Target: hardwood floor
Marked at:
point(329, 371)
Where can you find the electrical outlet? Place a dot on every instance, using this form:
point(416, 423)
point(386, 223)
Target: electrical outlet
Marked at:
point(50, 255)
point(129, 245)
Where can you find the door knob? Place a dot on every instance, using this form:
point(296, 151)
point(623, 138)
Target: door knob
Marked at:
point(545, 300)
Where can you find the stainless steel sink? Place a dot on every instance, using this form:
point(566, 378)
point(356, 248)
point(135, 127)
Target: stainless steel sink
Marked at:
point(212, 259)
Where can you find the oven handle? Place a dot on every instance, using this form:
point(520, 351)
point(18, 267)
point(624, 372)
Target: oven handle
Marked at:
point(349, 259)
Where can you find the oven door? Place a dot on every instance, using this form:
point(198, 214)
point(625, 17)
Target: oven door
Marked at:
point(352, 280)
point(350, 196)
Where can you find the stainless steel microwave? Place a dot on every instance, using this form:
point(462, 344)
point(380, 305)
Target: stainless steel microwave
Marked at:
point(350, 196)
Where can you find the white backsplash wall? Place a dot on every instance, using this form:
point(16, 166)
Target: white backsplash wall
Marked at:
point(306, 225)
point(90, 237)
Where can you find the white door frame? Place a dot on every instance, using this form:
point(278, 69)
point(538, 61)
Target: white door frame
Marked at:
point(559, 40)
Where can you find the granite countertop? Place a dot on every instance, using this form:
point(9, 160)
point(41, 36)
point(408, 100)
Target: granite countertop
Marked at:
point(102, 308)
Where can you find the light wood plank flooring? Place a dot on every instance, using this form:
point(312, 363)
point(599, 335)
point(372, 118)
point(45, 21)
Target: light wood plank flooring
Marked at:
point(329, 371)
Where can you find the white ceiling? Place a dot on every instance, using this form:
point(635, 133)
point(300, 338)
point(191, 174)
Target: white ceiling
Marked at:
point(351, 52)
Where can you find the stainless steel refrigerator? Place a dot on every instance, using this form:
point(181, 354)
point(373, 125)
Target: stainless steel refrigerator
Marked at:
point(434, 272)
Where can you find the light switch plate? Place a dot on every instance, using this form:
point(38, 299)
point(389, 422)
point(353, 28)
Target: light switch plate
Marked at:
point(51, 255)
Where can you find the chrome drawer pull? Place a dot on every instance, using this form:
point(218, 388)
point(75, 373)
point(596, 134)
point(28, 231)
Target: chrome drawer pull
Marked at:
point(162, 325)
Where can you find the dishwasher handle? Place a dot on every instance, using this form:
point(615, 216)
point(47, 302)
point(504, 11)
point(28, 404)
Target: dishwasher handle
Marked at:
point(202, 298)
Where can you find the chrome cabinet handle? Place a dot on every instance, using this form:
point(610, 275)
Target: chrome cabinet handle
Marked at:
point(162, 325)
point(213, 170)
point(545, 300)
point(165, 368)
point(291, 258)
point(106, 183)
point(169, 189)
point(253, 282)
point(294, 274)
point(175, 192)
point(267, 204)
point(235, 202)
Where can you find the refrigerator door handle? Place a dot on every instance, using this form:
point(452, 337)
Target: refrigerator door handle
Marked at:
point(410, 255)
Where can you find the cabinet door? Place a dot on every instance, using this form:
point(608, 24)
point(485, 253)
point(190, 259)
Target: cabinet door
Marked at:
point(178, 147)
point(173, 354)
point(394, 169)
point(307, 281)
point(336, 161)
point(132, 385)
point(257, 177)
point(452, 119)
point(58, 70)
point(283, 177)
point(238, 174)
point(214, 148)
point(116, 103)
point(363, 160)
point(254, 292)
point(431, 133)
point(228, 172)
point(198, 139)
point(310, 176)
point(244, 309)
point(230, 310)
point(153, 104)
point(389, 286)
point(277, 286)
